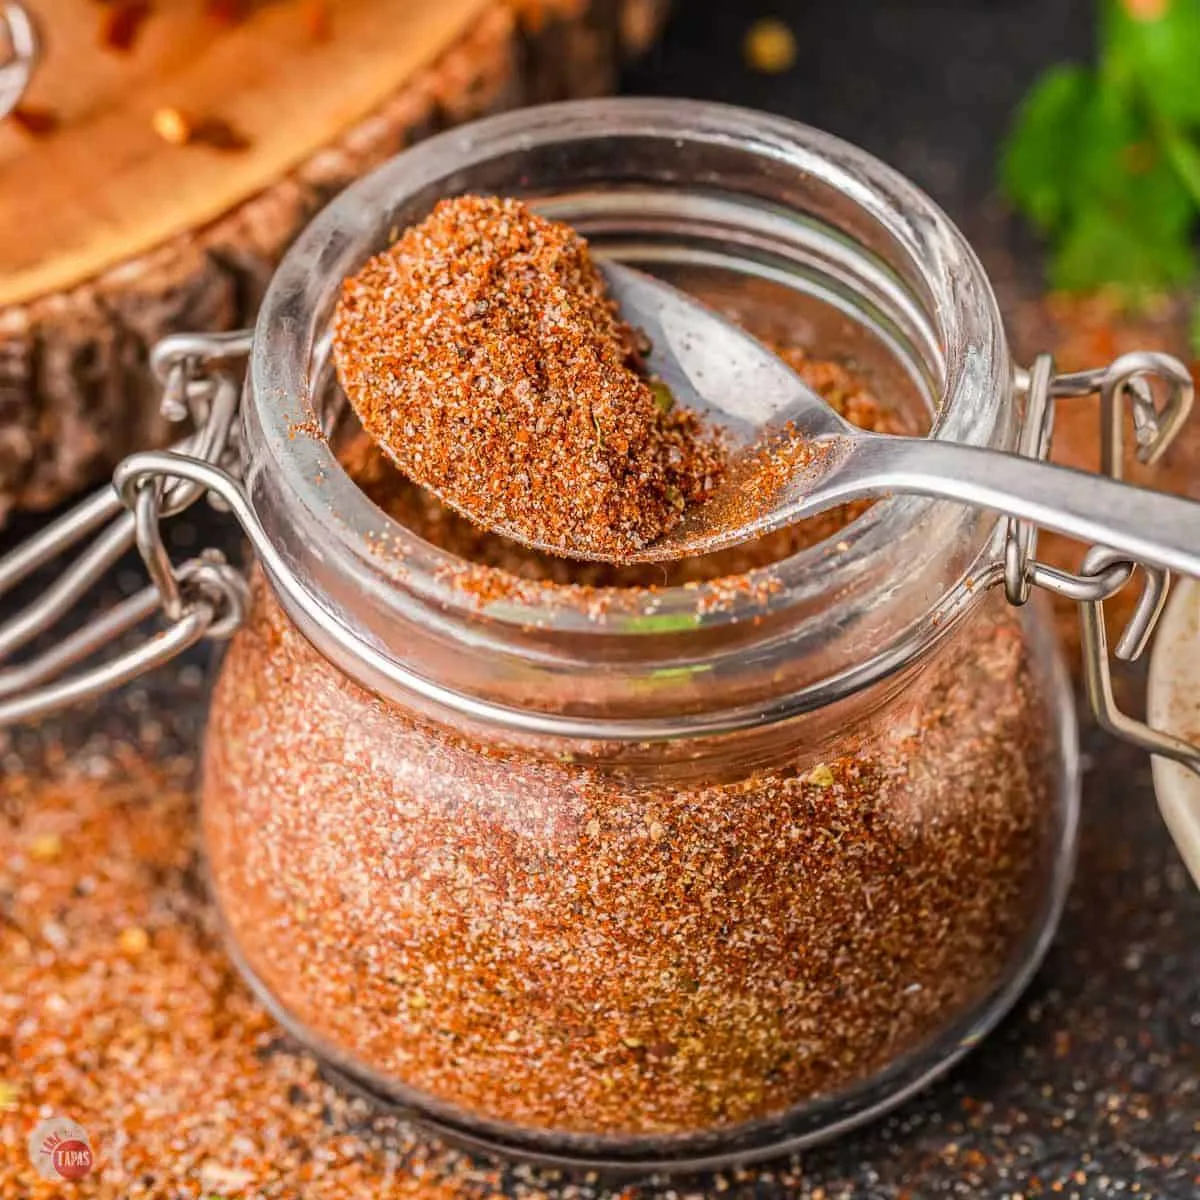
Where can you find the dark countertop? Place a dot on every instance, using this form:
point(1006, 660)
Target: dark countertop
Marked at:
point(1092, 1086)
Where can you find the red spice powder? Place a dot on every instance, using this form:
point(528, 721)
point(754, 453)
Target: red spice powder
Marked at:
point(37, 122)
point(482, 353)
point(624, 947)
point(228, 12)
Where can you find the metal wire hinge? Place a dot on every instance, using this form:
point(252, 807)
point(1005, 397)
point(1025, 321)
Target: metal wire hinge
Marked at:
point(203, 598)
point(206, 597)
point(1129, 382)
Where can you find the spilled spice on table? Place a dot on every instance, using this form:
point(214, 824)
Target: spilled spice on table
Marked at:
point(120, 1010)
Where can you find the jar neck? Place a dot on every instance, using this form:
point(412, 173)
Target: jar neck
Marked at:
point(717, 199)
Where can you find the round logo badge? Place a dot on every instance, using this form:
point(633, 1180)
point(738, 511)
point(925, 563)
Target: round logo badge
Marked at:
point(60, 1149)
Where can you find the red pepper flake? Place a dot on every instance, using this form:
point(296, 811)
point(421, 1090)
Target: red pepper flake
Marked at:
point(37, 122)
point(179, 129)
point(122, 23)
point(219, 134)
point(228, 12)
point(318, 20)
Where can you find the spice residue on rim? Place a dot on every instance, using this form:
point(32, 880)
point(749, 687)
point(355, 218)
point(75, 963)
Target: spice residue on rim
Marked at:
point(482, 353)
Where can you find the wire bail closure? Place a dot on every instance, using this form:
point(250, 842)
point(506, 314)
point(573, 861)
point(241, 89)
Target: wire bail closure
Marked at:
point(203, 598)
point(206, 598)
point(1128, 380)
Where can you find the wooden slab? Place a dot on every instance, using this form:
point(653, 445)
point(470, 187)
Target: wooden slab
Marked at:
point(105, 187)
point(111, 236)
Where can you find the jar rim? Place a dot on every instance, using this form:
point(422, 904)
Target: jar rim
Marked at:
point(385, 604)
point(969, 329)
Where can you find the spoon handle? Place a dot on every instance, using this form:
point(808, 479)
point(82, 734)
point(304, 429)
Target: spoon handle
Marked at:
point(1148, 526)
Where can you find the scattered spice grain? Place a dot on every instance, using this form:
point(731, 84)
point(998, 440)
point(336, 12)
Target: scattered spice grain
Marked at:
point(122, 22)
point(172, 126)
point(37, 122)
point(769, 46)
point(482, 353)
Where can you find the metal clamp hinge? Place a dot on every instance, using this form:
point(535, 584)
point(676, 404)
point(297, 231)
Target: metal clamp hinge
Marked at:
point(203, 598)
point(1128, 382)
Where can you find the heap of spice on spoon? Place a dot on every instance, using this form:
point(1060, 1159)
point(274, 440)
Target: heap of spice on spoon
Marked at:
point(483, 354)
point(599, 413)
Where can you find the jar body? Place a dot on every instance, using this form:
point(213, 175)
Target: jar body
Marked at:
point(584, 959)
point(644, 875)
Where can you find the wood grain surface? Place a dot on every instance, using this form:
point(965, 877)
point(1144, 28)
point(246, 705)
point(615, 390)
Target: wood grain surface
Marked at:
point(111, 236)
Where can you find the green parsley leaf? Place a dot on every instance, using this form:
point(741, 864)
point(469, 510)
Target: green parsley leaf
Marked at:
point(1154, 56)
point(1100, 247)
point(1033, 171)
point(1106, 162)
point(662, 396)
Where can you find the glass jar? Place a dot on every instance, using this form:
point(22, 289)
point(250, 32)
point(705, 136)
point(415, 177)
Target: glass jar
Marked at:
point(664, 875)
point(644, 875)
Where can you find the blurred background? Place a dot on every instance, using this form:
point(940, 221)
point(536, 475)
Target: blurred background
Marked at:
point(930, 87)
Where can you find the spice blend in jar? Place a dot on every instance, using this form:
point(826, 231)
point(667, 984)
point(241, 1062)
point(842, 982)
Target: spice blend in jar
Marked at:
point(631, 865)
point(556, 942)
point(559, 946)
point(482, 352)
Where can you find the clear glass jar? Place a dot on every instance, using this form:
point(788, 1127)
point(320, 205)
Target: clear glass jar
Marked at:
point(646, 875)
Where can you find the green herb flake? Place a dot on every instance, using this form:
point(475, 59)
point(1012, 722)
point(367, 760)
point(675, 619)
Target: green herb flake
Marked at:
point(663, 398)
point(821, 776)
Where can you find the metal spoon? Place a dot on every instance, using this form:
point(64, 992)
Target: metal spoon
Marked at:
point(792, 456)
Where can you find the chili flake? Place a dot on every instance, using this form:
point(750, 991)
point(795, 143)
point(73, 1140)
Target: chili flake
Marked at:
point(37, 122)
point(122, 23)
